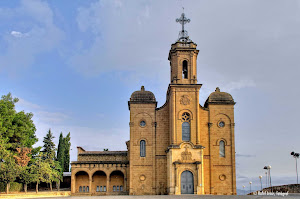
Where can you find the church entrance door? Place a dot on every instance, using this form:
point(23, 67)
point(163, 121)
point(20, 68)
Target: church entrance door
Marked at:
point(187, 183)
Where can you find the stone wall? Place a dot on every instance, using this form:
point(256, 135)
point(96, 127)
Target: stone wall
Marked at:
point(291, 188)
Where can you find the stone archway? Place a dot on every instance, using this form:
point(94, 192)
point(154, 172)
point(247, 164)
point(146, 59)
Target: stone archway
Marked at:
point(82, 182)
point(99, 181)
point(187, 182)
point(116, 184)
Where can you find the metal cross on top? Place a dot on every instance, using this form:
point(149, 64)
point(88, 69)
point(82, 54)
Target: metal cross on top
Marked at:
point(183, 20)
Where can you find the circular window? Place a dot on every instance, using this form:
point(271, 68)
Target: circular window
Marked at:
point(221, 124)
point(142, 178)
point(186, 117)
point(142, 123)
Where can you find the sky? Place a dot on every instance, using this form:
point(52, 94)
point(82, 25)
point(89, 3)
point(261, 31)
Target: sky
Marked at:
point(74, 65)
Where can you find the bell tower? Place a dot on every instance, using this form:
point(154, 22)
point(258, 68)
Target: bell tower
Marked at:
point(183, 57)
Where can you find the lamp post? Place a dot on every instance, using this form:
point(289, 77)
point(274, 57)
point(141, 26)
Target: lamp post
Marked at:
point(250, 186)
point(268, 168)
point(296, 156)
point(244, 189)
point(266, 179)
point(260, 177)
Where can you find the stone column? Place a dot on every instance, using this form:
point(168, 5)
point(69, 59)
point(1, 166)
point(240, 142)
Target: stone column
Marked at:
point(125, 182)
point(199, 178)
point(73, 183)
point(90, 184)
point(177, 189)
point(107, 186)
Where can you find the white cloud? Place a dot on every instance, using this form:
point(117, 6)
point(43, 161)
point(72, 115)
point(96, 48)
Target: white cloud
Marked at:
point(42, 35)
point(27, 105)
point(119, 35)
point(235, 85)
point(51, 117)
point(41, 113)
point(18, 34)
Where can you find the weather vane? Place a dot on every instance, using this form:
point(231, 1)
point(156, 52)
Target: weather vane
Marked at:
point(183, 34)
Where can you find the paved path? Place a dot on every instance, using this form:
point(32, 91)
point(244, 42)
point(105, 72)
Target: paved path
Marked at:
point(180, 197)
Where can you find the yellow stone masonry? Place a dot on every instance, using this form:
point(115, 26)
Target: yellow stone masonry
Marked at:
point(179, 148)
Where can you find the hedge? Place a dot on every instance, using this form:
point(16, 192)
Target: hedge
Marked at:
point(14, 186)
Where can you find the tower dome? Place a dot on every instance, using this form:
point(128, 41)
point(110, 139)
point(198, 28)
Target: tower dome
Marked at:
point(142, 96)
point(219, 97)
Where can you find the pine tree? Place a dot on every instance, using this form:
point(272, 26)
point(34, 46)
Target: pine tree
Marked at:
point(61, 151)
point(67, 145)
point(49, 146)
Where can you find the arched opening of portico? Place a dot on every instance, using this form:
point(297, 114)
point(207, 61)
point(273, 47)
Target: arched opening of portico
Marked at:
point(82, 182)
point(116, 182)
point(99, 180)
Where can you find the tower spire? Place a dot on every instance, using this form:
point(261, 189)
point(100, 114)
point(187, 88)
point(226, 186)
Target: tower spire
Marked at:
point(183, 34)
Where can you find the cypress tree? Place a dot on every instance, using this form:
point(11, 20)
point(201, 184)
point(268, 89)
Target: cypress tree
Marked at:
point(61, 151)
point(67, 146)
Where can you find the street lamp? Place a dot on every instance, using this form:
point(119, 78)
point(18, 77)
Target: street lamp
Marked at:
point(260, 177)
point(296, 156)
point(244, 189)
point(250, 186)
point(268, 168)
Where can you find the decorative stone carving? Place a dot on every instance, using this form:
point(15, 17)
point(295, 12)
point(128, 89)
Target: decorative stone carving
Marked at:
point(222, 177)
point(185, 100)
point(186, 155)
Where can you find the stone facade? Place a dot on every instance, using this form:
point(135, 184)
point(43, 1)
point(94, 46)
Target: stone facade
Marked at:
point(181, 147)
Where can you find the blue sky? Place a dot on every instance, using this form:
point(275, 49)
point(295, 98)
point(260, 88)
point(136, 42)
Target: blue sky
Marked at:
point(74, 64)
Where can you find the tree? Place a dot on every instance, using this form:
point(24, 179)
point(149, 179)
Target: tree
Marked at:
point(41, 171)
point(26, 176)
point(17, 128)
point(67, 145)
point(57, 174)
point(22, 159)
point(49, 146)
point(9, 170)
point(61, 151)
point(105, 149)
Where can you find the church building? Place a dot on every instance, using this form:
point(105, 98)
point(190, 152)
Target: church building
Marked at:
point(181, 147)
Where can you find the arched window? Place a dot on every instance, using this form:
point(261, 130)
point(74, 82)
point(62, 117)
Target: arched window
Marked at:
point(114, 188)
point(222, 148)
point(87, 188)
point(118, 188)
point(143, 148)
point(97, 190)
point(186, 131)
point(121, 188)
point(83, 189)
point(80, 189)
point(184, 69)
point(104, 188)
